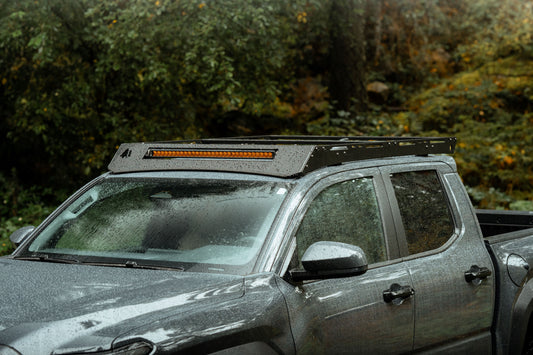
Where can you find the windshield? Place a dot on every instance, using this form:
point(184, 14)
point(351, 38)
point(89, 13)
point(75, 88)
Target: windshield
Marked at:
point(191, 224)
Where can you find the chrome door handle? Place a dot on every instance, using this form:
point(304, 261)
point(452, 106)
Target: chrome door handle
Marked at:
point(397, 294)
point(476, 272)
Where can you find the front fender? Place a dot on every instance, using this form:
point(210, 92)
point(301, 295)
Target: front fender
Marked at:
point(257, 322)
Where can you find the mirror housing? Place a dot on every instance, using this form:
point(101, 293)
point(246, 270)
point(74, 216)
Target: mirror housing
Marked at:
point(324, 260)
point(18, 236)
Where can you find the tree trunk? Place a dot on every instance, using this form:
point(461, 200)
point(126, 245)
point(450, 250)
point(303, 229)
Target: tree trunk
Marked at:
point(373, 30)
point(347, 55)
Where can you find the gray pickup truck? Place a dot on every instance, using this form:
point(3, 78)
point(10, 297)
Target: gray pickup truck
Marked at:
point(272, 245)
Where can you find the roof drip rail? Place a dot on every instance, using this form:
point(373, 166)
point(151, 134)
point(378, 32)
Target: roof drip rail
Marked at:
point(272, 155)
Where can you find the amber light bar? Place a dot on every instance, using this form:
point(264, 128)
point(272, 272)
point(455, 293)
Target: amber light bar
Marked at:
point(219, 154)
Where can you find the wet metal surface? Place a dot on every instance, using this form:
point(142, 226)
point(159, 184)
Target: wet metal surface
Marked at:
point(60, 305)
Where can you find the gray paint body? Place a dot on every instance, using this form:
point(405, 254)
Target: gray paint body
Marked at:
point(64, 308)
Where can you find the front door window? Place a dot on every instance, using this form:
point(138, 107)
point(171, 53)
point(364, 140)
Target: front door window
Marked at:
point(346, 212)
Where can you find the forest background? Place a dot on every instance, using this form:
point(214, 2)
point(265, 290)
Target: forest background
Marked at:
point(78, 78)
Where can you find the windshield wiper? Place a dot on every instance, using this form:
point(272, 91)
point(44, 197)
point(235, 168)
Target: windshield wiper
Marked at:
point(135, 265)
point(127, 264)
point(48, 259)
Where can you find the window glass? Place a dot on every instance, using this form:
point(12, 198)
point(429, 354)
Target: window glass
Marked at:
point(216, 224)
point(424, 209)
point(346, 212)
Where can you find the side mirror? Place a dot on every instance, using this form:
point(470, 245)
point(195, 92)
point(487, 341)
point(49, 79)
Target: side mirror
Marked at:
point(18, 236)
point(324, 260)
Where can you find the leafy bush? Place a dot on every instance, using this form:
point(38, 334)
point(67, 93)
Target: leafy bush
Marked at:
point(20, 208)
point(79, 78)
point(489, 110)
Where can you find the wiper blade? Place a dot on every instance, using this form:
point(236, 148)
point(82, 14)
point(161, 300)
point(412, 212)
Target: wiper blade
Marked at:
point(48, 259)
point(127, 264)
point(135, 265)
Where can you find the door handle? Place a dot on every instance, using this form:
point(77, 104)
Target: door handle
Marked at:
point(397, 294)
point(476, 272)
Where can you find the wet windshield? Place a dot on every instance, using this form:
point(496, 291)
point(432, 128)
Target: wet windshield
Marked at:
point(190, 224)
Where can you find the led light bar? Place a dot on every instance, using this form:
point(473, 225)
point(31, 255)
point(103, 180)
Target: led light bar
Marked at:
point(214, 154)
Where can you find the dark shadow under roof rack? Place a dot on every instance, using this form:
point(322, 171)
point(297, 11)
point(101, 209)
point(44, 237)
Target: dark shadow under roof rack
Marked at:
point(283, 156)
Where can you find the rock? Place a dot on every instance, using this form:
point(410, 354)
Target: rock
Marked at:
point(378, 92)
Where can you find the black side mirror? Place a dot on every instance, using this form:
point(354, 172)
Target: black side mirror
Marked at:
point(324, 260)
point(18, 236)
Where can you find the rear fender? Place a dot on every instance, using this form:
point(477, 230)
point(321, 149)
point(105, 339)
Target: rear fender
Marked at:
point(522, 310)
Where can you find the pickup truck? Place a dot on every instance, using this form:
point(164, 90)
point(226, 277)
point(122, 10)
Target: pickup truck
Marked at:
point(272, 245)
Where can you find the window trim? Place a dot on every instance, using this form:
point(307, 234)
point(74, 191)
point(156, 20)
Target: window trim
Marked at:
point(441, 170)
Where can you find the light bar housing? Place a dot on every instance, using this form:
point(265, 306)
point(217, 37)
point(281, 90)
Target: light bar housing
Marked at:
point(210, 154)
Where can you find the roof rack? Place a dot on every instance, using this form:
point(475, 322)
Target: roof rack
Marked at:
point(273, 155)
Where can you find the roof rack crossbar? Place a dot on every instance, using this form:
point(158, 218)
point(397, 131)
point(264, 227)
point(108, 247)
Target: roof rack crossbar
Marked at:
point(298, 139)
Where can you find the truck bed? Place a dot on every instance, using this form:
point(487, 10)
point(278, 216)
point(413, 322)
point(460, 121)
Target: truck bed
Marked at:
point(495, 222)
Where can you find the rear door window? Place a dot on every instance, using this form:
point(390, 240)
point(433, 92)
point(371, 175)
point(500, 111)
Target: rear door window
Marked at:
point(425, 213)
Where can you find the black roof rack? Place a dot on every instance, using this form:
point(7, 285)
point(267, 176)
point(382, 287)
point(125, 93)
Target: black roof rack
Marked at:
point(283, 156)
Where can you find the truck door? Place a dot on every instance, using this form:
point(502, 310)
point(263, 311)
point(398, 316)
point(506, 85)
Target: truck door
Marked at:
point(451, 269)
point(351, 314)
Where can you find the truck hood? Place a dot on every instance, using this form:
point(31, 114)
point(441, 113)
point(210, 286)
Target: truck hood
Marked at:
point(63, 307)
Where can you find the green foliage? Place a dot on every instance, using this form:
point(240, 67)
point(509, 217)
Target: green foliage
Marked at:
point(418, 42)
point(498, 29)
point(522, 205)
point(19, 208)
point(489, 110)
point(374, 123)
point(80, 78)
